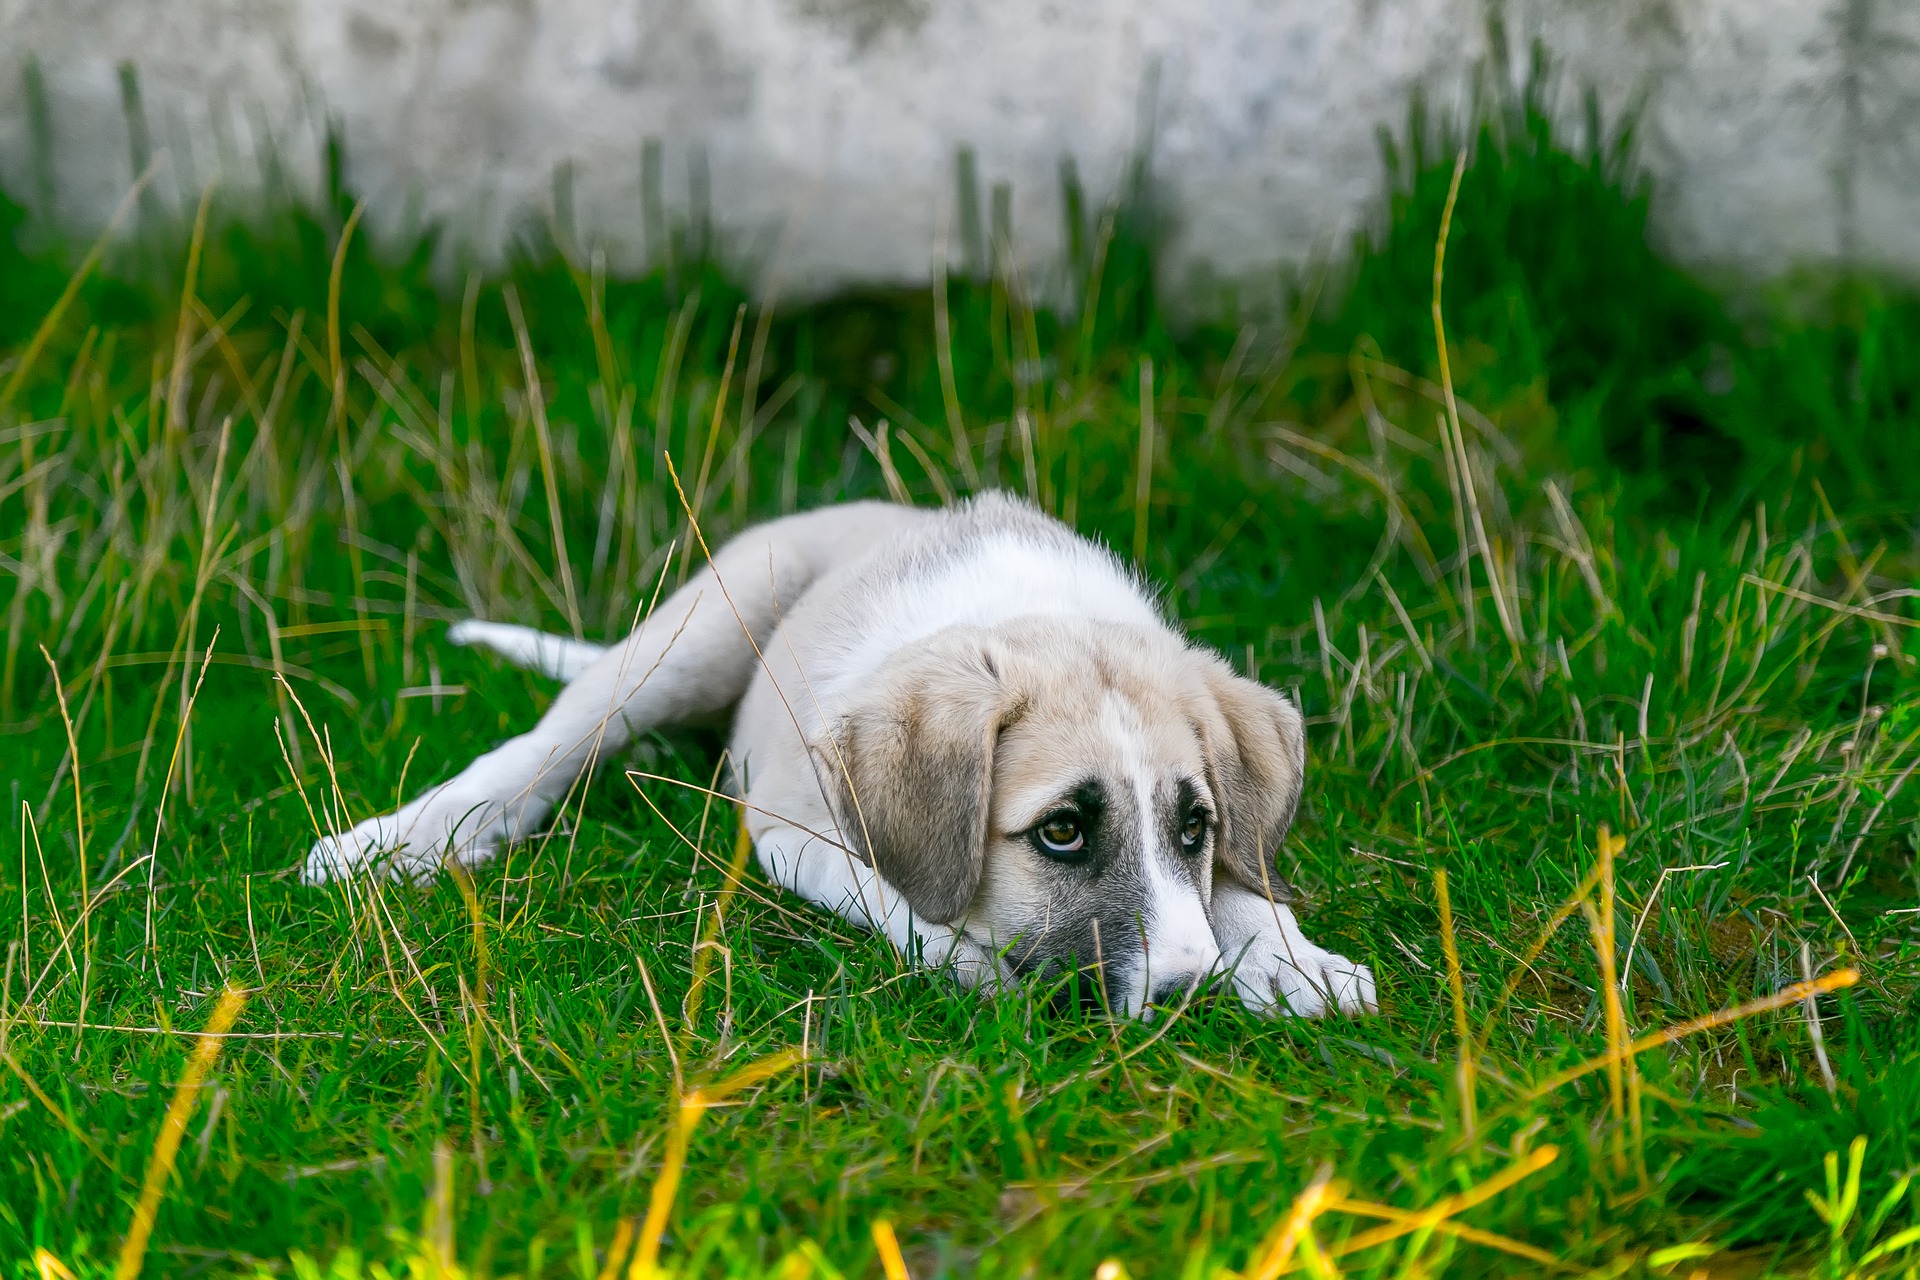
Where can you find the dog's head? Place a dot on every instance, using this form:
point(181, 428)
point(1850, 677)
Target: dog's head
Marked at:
point(1067, 793)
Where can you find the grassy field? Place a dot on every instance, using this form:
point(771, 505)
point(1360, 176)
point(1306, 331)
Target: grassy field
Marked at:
point(1604, 624)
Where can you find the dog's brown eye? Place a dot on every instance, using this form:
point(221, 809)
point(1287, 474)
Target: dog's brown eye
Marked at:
point(1060, 833)
point(1194, 831)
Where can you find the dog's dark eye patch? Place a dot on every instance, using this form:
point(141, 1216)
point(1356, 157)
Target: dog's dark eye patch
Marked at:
point(1090, 797)
point(1070, 831)
point(1089, 906)
point(1191, 818)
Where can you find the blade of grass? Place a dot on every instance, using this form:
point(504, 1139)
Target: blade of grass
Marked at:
point(1143, 466)
point(1456, 443)
point(693, 1105)
point(50, 323)
point(166, 1148)
point(543, 439)
point(1778, 1000)
point(1464, 1076)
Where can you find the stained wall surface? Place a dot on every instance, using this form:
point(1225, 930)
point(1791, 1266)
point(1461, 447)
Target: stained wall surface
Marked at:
point(821, 136)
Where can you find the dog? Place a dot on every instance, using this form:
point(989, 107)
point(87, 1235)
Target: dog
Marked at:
point(969, 729)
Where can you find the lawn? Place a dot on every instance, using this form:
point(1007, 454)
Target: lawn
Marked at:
point(1600, 605)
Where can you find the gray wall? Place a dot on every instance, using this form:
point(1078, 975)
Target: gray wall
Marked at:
point(1781, 132)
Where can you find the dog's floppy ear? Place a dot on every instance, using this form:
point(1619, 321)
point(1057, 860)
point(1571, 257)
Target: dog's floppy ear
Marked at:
point(1256, 757)
point(910, 770)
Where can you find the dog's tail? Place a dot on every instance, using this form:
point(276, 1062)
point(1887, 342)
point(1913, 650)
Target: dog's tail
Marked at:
point(550, 655)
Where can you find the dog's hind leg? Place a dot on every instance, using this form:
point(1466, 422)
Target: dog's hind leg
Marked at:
point(556, 656)
point(691, 660)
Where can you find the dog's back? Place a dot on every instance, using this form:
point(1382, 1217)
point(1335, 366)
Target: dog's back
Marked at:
point(979, 563)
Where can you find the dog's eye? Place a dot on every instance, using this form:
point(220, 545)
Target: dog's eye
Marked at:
point(1059, 834)
point(1194, 831)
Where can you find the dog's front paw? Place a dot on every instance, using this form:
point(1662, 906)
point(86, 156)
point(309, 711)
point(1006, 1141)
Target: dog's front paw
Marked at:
point(1304, 981)
point(397, 846)
point(1278, 972)
point(1275, 969)
point(451, 821)
point(375, 846)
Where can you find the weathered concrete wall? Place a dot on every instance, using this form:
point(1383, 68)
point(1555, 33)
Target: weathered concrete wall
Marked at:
point(824, 132)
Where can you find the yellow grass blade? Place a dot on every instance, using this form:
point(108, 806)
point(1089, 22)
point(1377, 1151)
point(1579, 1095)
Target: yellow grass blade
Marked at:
point(166, 1148)
point(1464, 1071)
point(1473, 1235)
point(1438, 1212)
point(1778, 1000)
point(617, 1250)
point(710, 934)
point(889, 1246)
point(646, 1260)
point(1274, 1256)
point(1620, 1084)
point(50, 1267)
point(1561, 915)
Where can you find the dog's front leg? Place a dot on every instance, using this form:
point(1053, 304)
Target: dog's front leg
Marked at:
point(689, 661)
point(1275, 969)
point(829, 876)
point(501, 796)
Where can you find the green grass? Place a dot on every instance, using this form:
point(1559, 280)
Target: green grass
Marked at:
point(1698, 515)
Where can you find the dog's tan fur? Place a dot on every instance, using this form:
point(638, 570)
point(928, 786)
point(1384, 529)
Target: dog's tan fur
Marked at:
point(918, 698)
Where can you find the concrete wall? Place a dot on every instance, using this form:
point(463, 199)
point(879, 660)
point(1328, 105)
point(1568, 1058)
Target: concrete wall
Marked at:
point(823, 133)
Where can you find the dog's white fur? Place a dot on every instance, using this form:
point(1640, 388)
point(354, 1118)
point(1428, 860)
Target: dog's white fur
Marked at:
point(895, 674)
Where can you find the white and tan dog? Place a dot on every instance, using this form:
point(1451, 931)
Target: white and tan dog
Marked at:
point(968, 728)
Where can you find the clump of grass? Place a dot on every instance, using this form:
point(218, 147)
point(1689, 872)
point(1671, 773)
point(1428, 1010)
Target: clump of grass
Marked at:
point(236, 516)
